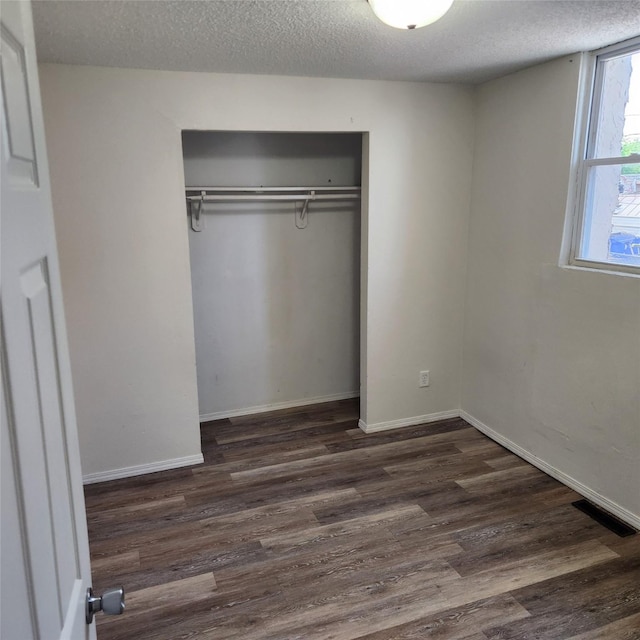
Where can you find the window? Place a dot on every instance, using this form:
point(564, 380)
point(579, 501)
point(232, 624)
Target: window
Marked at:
point(607, 229)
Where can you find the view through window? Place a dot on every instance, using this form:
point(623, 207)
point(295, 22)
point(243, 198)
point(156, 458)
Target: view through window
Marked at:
point(609, 216)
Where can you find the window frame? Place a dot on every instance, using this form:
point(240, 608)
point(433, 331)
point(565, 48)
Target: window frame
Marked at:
point(593, 98)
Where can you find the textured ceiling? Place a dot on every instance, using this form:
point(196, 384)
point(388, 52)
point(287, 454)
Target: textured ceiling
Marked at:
point(476, 41)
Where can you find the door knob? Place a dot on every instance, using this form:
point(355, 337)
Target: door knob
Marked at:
point(111, 602)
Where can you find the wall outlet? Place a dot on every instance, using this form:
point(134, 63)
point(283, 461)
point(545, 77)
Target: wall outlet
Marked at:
point(423, 379)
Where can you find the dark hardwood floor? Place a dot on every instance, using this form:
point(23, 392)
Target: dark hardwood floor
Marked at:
point(300, 526)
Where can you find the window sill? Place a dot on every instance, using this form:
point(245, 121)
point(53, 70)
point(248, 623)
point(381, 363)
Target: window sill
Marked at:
point(602, 267)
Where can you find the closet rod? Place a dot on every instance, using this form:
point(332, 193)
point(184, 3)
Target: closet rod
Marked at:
point(268, 189)
point(305, 195)
point(282, 197)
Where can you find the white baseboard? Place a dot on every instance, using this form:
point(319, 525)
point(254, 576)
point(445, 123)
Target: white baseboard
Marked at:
point(407, 422)
point(602, 501)
point(302, 402)
point(140, 469)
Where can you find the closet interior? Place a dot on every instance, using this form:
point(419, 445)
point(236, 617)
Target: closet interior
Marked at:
point(274, 235)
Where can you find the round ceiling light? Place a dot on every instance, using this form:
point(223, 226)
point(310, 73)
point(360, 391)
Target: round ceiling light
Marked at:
point(410, 14)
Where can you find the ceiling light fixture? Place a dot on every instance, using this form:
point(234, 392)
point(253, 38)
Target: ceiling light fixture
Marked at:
point(410, 14)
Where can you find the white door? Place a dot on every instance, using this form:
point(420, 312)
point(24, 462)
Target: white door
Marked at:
point(44, 553)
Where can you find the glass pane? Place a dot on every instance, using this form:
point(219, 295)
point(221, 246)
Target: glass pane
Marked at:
point(618, 123)
point(611, 231)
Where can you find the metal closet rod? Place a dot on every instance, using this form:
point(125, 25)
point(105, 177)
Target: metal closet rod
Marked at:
point(296, 194)
point(230, 194)
point(269, 189)
point(282, 197)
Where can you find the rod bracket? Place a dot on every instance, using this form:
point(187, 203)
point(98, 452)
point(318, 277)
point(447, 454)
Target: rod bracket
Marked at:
point(197, 221)
point(302, 218)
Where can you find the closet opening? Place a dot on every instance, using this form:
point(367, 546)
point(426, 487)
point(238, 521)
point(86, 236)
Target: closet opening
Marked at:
point(274, 226)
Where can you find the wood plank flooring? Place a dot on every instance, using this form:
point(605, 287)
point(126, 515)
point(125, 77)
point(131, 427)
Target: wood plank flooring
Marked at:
point(300, 526)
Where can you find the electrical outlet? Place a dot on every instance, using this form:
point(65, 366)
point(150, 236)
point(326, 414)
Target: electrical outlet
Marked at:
point(423, 379)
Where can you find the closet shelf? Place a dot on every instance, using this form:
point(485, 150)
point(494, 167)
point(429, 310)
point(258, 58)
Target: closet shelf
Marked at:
point(197, 196)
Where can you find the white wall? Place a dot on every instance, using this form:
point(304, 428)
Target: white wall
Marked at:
point(114, 144)
point(276, 308)
point(551, 355)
